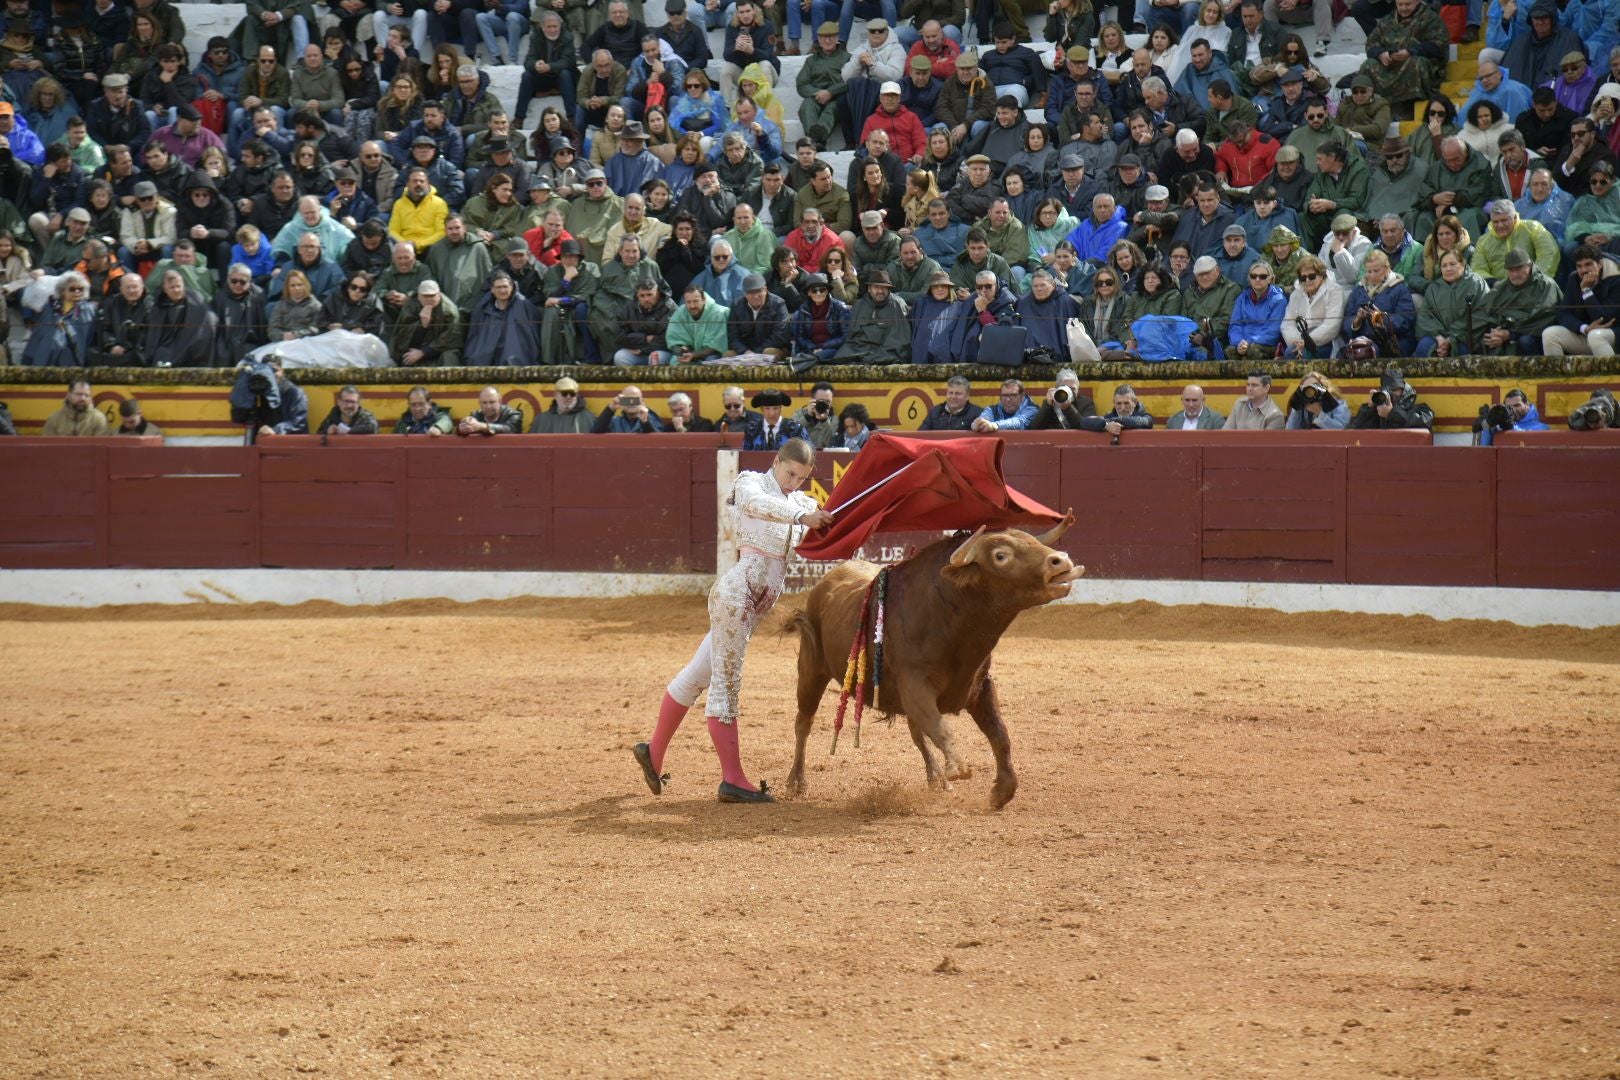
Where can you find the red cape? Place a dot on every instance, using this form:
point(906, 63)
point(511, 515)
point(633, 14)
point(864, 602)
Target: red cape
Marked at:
point(947, 484)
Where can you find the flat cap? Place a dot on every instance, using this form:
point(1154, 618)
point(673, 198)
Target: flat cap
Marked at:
point(1156, 192)
point(753, 282)
point(1515, 258)
point(145, 189)
point(1128, 161)
point(566, 383)
point(1344, 222)
point(921, 63)
point(1572, 57)
point(1205, 264)
point(967, 61)
point(1233, 230)
point(1288, 153)
point(878, 24)
point(1079, 54)
point(79, 213)
point(871, 219)
point(1361, 82)
point(1071, 161)
point(114, 81)
point(428, 288)
point(978, 159)
point(827, 29)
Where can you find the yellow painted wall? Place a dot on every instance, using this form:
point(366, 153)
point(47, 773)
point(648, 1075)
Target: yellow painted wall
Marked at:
point(899, 405)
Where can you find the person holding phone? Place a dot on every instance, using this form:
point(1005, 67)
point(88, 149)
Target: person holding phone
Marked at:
point(627, 414)
point(769, 515)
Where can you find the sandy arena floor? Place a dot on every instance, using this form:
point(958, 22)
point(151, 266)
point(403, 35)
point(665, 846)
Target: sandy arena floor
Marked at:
point(412, 841)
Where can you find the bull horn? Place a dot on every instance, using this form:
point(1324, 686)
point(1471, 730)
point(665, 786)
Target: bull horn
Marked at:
point(1055, 533)
point(964, 554)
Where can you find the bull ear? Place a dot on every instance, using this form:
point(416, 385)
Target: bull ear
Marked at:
point(1054, 534)
point(964, 554)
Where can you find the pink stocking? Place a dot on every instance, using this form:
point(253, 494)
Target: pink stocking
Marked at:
point(670, 715)
point(725, 745)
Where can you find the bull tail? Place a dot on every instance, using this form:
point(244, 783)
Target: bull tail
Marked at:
point(809, 640)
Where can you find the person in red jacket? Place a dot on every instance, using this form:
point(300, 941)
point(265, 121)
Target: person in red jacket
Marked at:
point(1246, 157)
point(811, 241)
point(906, 136)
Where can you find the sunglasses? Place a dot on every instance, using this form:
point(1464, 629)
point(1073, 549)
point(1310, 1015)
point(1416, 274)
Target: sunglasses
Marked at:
point(75, 288)
point(356, 286)
point(568, 393)
point(733, 405)
point(1600, 179)
point(694, 86)
point(1309, 277)
point(1569, 67)
point(1259, 277)
point(1437, 112)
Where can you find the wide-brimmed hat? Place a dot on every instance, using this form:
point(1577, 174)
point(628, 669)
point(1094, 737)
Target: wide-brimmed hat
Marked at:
point(772, 396)
point(879, 277)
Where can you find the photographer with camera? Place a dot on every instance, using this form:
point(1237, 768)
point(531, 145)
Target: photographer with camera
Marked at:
point(627, 414)
point(1387, 406)
point(1514, 414)
point(266, 401)
point(819, 420)
point(1317, 404)
point(1596, 413)
point(1065, 406)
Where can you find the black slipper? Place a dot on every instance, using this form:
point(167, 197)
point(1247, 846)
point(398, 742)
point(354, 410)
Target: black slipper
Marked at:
point(733, 793)
point(643, 754)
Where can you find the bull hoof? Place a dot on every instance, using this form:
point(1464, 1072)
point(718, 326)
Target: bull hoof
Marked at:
point(793, 788)
point(958, 770)
point(1002, 791)
point(939, 783)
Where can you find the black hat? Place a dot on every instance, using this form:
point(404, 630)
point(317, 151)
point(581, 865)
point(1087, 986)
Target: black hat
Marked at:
point(559, 143)
point(497, 145)
point(188, 111)
point(879, 277)
point(424, 140)
point(773, 396)
point(570, 247)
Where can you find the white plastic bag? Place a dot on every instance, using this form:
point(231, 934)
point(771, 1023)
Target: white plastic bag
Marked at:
point(1081, 348)
point(331, 350)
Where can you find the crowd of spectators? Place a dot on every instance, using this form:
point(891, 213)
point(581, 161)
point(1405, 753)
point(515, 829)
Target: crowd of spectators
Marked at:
point(339, 170)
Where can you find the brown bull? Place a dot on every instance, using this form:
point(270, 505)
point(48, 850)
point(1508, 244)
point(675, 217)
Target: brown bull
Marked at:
point(947, 607)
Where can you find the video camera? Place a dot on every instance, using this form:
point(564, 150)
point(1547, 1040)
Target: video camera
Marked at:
point(1595, 414)
point(1495, 418)
point(256, 394)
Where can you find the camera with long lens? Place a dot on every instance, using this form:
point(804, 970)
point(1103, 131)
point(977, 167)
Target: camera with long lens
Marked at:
point(1312, 394)
point(822, 409)
point(1595, 414)
point(1495, 418)
point(1062, 395)
point(1379, 398)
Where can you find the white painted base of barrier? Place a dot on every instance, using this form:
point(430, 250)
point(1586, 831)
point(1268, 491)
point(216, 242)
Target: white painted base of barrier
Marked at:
point(1523, 607)
point(97, 588)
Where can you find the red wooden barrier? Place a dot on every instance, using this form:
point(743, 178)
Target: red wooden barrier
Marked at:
point(200, 508)
point(1556, 517)
point(1137, 509)
point(54, 498)
point(1160, 505)
point(1421, 517)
